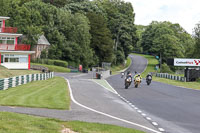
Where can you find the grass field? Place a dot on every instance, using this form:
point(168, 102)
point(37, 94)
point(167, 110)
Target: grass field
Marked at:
point(54, 68)
point(51, 93)
point(20, 123)
point(6, 73)
point(84, 127)
point(150, 68)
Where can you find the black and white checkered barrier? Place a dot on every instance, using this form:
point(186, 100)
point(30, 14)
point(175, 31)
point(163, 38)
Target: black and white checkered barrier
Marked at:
point(172, 77)
point(23, 79)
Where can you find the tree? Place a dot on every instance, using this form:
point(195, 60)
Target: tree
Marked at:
point(120, 19)
point(166, 38)
point(57, 3)
point(101, 41)
point(197, 40)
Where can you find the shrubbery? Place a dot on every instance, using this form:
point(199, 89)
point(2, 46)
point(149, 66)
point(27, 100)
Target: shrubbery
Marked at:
point(60, 63)
point(166, 68)
point(51, 62)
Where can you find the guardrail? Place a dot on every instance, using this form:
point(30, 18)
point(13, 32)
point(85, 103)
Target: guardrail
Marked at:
point(23, 79)
point(172, 77)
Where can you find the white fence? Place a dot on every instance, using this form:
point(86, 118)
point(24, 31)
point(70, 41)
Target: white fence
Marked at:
point(23, 79)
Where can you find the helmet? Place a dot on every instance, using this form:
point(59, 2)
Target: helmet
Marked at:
point(128, 72)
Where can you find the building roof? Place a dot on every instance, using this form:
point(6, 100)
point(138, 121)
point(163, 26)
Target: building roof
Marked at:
point(10, 35)
point(4, 18)
point(42, 40)
point(17, 52)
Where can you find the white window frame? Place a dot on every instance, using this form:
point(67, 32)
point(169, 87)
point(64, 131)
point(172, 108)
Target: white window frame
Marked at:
point(9, 56)
point(5, 39)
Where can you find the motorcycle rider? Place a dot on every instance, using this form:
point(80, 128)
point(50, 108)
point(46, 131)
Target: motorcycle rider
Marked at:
point(148, 75)
point(122, 74)
point(129, 75)
point(138, 75)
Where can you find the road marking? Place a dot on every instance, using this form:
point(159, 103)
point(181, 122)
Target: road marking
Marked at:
point(148, 118)
point(113, 91)
point(139, 111)
point(154, 123)
point(161, 129)
point(126, 121)
point(111, 87)
point(143, 114)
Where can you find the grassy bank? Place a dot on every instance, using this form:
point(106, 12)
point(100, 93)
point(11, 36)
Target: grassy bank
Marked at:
point(54, 68)
point(6, 73)
point(116, 69)
point(84, 127)
point(150, 68)
point(51, 93)
point(20, 123)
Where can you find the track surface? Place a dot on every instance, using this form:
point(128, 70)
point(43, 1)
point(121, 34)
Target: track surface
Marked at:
point(176, 109)
point(93, 96)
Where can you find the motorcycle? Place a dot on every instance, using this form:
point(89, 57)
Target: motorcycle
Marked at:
point(137, 82)
point(128, 81)
point(148, 80)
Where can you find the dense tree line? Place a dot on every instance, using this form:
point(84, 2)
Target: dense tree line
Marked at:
point(168, 40)
point(80, 31)
point(90, 32)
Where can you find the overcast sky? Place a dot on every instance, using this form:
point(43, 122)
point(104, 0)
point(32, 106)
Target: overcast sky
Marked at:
point(184, 12)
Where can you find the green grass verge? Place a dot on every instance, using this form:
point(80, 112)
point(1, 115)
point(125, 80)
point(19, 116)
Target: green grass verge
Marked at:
point(84, 127)
point(54, 68)
point(116, 69)
point(20, 123)
point(150, 68)
point(51, 93)
point(6, 73)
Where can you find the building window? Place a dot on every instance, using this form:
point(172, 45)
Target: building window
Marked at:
point(15, 58)
point(23, 59)
point(6, 59)
point(7, 40)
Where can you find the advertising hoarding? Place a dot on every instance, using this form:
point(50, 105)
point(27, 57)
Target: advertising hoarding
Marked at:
point(186, 62)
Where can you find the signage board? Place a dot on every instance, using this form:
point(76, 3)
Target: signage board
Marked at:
point(186, 62)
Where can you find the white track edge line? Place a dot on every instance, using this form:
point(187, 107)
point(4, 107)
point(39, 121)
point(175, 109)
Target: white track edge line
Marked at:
point(147, 128)
point(113, 91)
point(111, 87)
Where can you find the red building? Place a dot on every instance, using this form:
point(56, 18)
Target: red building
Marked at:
point(12, 54)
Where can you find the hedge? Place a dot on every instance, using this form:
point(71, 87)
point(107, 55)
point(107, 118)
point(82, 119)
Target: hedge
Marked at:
point(51, 62)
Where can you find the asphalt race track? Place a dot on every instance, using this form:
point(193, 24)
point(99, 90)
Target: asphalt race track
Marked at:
point(175, 109)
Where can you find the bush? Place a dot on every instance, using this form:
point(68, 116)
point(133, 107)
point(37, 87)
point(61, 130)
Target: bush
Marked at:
point(60, 63)
point(51, 62)
point(73, 64)
point(166, 68)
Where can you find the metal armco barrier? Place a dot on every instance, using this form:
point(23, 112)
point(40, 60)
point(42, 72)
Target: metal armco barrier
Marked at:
point(172, 77)
point(20, 80)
